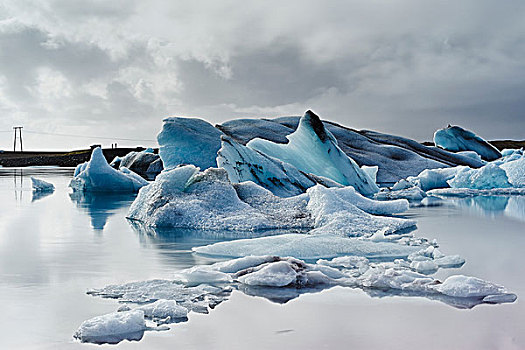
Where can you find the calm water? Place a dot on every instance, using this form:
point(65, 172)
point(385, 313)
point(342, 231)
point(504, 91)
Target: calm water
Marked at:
point(54, 248)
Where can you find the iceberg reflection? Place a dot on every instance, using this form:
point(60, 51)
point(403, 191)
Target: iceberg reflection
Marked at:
point(100, 206)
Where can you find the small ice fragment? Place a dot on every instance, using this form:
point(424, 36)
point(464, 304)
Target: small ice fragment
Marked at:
point(41, 185)
point(112, 328)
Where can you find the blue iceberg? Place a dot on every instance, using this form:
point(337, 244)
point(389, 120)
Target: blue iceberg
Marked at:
point(457, 139)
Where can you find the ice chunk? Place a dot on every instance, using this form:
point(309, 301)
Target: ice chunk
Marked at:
point(455, 138)
point(303, 246)
point(468, 287)
point(145, 163)
point(113, 327)
point(188, 141)
point(313, 149)
point(98, 176)
point(434, 178)
point(487, 177)
point(161, 309)
point(41, 185)
point(245, 164)
point(277, 274)
point(184, 197)
point(333, 212)
point(515, 171)
point(413, 193)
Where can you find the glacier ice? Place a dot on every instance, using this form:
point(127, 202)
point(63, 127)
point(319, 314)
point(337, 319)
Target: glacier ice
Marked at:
point(304, 246)
point(113, 327)
point(145, 163)
point(337, 211)
point(188, 141)
point(245, 164)
point(455, 138)
point(486, 177)
point(41, 185)
point(515, 170)
point(313, 149)
point(396, 157)
point(184, 197)
point(429, 179)
point(162, 309)
point(98, 176)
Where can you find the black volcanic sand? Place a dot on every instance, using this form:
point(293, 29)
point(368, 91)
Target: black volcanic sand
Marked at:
point(62, 159)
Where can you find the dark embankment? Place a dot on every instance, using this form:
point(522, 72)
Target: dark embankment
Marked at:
point(499, 144)
point(62, 159)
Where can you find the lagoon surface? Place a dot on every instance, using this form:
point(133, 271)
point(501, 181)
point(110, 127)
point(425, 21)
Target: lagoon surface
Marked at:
point(54, 248)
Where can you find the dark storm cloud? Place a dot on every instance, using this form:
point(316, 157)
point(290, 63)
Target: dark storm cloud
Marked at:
point(406, 67)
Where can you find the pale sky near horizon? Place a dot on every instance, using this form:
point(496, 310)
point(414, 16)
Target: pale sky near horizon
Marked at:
point(117, 68)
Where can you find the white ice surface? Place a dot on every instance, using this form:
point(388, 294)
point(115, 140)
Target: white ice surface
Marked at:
point(161, 309)
point(185, 197)
point(111, 327)
point(487, 177)
point(515, 171)
point(303, 246)
point(98, 176)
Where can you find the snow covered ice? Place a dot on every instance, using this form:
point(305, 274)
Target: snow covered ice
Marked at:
point(187, 198)
point(145, 163)
point(98, 176)
point(455, 138)
point(112, 328)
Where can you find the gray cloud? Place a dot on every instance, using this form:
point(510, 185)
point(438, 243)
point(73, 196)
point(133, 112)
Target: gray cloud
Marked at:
point(117, 68)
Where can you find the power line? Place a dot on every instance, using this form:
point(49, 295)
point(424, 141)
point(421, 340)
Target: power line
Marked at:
point(87, 136)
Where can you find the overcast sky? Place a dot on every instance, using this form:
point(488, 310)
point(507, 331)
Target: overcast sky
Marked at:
point(116, 68)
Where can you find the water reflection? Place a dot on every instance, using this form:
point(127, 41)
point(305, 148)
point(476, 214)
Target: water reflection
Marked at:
point(175, 244)
point(100, 206)
point(494, 206)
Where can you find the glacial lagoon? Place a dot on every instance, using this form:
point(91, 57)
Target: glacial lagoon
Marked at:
point(46, 269)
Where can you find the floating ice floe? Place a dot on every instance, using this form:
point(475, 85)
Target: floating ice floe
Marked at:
point(41, 185)
point(112, 328)
point(281, 279)
point(313, 149)
point(487, 177)
point(455, 138)
point(515, 170)
point(98, 176)
point(188, 141)
point(305, 246)
point(184, 197)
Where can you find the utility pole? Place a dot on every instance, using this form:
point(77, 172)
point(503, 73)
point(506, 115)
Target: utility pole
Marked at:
point(19, 129)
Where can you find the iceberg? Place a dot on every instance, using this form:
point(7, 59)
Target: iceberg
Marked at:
point(188, 141)
point(515, 170)
point(396, 157)
point(245, 164)
point(98, 176)
point(162, 309)
point(41, 185)
point(145, 163)
point(487, 177)
point(313, 149)
point(112, 328)
point(184, 197)
point(457, 139)
point(430, 179)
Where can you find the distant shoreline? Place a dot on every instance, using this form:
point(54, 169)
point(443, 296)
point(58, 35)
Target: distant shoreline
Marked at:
point(73, 158)
point(57, 158)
